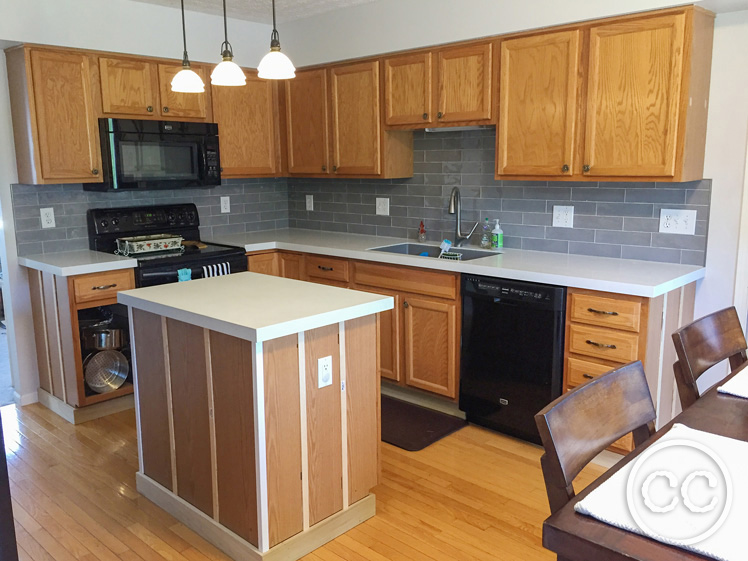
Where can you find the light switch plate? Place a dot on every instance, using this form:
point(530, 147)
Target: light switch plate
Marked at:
point(324, 371)
point(225, 204)
point(383, 206)
point(310, 202)
point(48, 217)
point(677, 221)
point(563, 216)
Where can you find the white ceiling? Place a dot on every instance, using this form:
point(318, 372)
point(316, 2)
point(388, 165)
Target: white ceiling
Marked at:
point(261, 10)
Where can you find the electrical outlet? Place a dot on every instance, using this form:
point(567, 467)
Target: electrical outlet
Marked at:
point(48, 217)
point(225, 204)
point(678, 221)
point(563, 216)
point(310, 202)
point(324, 371)
point(383, 206)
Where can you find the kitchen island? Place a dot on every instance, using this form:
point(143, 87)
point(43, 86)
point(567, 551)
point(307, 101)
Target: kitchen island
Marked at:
point(257, 403)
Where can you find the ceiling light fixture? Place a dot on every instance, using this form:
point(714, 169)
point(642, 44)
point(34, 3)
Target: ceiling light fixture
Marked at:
point(275, 65)
point(186, 80)
point(227, 72)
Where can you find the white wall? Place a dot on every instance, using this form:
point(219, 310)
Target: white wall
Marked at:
point(108, 25)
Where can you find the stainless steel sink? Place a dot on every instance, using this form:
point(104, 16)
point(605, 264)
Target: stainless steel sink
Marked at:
point(425, 250)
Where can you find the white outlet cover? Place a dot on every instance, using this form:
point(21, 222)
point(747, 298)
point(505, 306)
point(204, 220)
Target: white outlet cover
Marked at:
point(225, 204)
point(324, 371)
point(383, 206)
point(48, 217)
point(677, 221)
point(310, 202)
point(563, 216)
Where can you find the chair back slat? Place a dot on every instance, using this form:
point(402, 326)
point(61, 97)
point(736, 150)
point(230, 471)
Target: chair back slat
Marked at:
point(582, 423)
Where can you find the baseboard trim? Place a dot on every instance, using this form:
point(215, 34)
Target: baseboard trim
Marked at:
point(78, 415)
point(25, 399)
point(238, 548)
point(422, 399)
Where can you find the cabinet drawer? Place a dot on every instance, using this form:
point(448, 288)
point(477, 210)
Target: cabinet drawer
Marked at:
point(603, 343)
point(100, 286)
point(580, 371)
point(329, 268)
point(405, 279)
point(608, 312)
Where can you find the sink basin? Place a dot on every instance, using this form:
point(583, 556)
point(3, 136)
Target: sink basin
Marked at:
point(433, 251)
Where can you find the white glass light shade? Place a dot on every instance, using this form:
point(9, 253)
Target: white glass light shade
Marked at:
point(187, 81)
point(276, 66)
point(228, 73)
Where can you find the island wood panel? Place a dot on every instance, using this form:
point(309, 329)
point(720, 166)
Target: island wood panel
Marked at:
point(537, 110)
point(362, 406)
point(283, 438)
point(189, 389)
point(233, 414)
point(407, 90)
point(324, 431)
point(464, 90)
point(176, 104)
point(150, 366)
point(307, 123)
point(39, 314)
point(54, 345)
point(128, 86)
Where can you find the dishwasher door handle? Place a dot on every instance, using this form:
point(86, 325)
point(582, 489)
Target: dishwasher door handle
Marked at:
point(600, 345)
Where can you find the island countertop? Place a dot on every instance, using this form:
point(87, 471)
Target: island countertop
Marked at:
point(254, 307)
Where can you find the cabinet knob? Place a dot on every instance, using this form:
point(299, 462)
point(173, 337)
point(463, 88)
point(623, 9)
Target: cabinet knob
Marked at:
point(149, 109)
point(425, 116)
point(324, 168)
point(166, 109)
point(405, 304)
point(221, 170)
point(588, 376)
point(564, 168)
point(334, 168)
point(95, 171)
point(585, 168)
point(440, 114)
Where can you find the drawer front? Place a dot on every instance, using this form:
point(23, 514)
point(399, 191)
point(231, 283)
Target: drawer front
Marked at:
point(580, 371)
point(608, 312)
point(406, 279)
point(99, 286)
point(328, 268)
point(608, 344)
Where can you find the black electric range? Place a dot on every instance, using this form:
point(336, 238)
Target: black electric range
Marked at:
point(106, 225)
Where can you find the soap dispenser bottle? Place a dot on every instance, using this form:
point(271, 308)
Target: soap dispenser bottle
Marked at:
point(497, 237)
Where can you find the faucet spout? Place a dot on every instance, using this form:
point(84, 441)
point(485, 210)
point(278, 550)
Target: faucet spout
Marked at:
point(455, 207)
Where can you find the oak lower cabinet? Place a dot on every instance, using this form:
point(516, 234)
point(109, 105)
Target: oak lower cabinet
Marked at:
point(54, 119)
point(59, 306)
point(286, 264)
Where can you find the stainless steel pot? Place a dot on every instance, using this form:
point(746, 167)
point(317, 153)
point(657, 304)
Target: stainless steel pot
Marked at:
point(102, 339)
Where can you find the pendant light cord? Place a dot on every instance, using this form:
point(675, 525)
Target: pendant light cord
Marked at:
point(185, 60)
point(226, 50)
point(274, 37)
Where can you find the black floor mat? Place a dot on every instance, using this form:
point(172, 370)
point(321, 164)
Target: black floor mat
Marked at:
point(412, 427)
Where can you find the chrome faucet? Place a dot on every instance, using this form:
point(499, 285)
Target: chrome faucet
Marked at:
point(455, 207)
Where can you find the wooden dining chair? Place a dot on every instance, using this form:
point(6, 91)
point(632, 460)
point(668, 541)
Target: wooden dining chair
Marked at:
point(703, 344)
point(580, 424)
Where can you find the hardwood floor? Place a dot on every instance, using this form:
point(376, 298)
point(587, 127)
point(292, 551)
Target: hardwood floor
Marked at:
point(475, 495)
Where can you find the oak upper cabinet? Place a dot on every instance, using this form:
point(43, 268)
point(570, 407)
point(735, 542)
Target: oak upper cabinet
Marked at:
point(408, 91)
point(247, 127)
point(538, 85)
point(355, 118)
point(54, 121)
point(128, 86)
point(634, 96)
point(464, 83)
point(189, 105)
point(307, 123)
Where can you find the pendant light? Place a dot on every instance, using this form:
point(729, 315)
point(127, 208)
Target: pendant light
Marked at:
point(186, 80)
point(275, 65)
point(227, 72)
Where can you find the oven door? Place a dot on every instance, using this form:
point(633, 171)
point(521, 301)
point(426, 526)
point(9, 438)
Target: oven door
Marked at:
point(152, 275)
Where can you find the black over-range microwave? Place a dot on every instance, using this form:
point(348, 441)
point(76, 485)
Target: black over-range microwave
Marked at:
point(139, 154)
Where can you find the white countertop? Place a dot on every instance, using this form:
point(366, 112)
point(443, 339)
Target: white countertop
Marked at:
point(622, 276)
point(255, 307)
point(80, 262)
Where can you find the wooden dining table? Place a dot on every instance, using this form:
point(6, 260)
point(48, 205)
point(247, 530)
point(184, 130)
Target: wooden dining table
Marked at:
point(577, 537)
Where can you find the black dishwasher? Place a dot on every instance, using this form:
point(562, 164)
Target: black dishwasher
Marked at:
point(512, 352)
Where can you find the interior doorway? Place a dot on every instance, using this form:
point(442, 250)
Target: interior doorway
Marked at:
point(6, 381)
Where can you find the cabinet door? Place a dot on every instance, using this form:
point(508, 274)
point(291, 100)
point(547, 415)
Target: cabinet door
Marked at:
point(66, 125)
point(430, 341)
point(290, 265)
point(307, 123)
point(407, 90)
point(246, 127)
point(355, 119)
point(388, 336)
point(537, 108)
point(264, 263)
point(128, 86)
point(633, 99)
point(174, 104)
point(464, 83)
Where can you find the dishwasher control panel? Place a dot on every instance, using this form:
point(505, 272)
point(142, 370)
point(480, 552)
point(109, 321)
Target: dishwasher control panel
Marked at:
point(509, 289)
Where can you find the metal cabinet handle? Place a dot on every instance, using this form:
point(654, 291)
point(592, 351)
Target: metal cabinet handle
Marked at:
point(324, 268)
point(405, 304)
point(95, 171)
point(324, 168)
point(585, 168)
point(104, 287)
point(149, 109)
point(334, 168)
point(600, 345)
point(166, 109)
point(425, 116)
point(602, 312)
point(588, 376)
point(440, 114)
point(564, 168)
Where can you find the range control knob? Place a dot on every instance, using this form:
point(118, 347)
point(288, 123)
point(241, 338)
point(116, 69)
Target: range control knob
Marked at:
point(171, 217)
point(115, 221)
point(180, 216)
point(190, 216)
point(104, 223)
